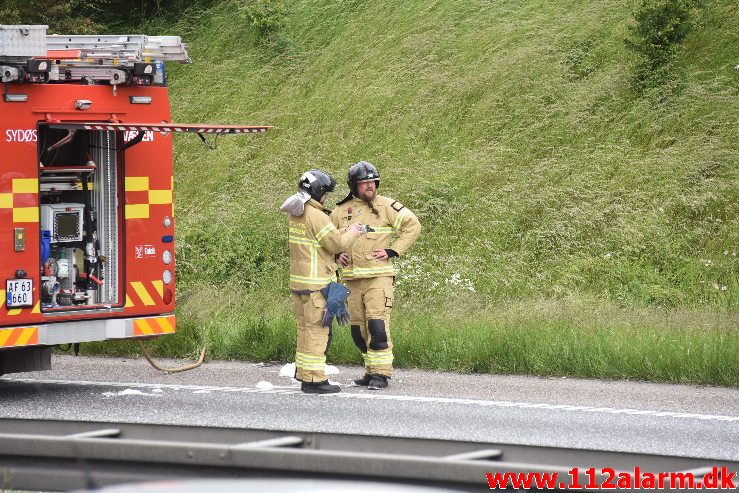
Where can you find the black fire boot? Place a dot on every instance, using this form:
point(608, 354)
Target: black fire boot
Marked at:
point(378, 382)
point(319, 388)
point(364, 381)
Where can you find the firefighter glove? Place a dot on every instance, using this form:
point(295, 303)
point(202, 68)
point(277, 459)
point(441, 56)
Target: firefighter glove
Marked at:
point(336, 295)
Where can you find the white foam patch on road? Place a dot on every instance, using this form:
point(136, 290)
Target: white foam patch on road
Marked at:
point(125, 392)
point(370, 395)
point(288, 370)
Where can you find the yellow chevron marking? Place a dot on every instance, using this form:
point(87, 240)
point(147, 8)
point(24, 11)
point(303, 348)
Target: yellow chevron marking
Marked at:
point(142, 293)
point(165, 324)
point(160, 196)
point(36, 307)
point(25, 336)
point(25, 215)
point(159, 287)
point(25, 185)
point(137, 183)
point(15, 311)
point(4, 336)
point(144, 327)
point(6, 200)
point(129, 303)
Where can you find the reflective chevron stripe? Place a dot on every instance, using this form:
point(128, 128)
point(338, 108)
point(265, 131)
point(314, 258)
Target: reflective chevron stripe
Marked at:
point(153, 326)
point(142, 293)
point(21, 336)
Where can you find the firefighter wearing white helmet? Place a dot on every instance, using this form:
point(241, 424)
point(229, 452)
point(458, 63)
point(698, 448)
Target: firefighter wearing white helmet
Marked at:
point(314, 241)
point(367, 269)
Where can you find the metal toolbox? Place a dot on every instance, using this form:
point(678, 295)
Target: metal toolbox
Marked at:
point(22, 40)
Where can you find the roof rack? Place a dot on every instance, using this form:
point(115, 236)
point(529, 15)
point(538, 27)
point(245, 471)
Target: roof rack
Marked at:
point(28, 54)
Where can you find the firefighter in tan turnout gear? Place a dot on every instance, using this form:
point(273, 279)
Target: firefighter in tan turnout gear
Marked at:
point(367, 269)
point(314, 242)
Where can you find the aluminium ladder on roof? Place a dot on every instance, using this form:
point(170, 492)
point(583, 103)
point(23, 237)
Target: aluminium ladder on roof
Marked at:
point(115, 59)
point(116, 48)
point(22, 44)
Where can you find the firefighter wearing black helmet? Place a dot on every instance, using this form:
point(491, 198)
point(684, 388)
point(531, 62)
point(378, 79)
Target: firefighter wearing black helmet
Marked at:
point(367, 269)
point(314, 241)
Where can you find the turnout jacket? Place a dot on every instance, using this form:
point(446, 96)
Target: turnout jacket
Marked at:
point(394, 220)
point(314, 242)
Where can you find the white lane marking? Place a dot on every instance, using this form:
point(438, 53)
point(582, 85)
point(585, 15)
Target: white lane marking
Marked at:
point(292, 389)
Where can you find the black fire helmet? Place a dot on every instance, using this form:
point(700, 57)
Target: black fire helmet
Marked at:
point(316, 183)
point(362, 171)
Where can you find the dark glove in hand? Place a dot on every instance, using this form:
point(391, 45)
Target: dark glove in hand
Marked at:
point(336, 295)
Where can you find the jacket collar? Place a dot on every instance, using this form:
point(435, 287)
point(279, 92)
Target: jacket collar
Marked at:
point(316, 204)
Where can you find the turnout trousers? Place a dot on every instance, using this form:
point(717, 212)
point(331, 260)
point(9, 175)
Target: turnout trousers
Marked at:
point(313, 339)
point(370, 303)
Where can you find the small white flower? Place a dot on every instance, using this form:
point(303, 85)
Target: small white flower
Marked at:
point(723, 288)
point(608, 255)
point(661, 209)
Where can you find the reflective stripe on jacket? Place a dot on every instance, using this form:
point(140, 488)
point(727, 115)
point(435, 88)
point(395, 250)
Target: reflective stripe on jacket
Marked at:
point(394, 221)
point(314, 241)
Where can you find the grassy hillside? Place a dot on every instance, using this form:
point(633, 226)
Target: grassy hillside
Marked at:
point(554, 196)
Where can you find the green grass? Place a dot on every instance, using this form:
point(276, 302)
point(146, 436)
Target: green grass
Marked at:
point(513, 131)
point(553, 338)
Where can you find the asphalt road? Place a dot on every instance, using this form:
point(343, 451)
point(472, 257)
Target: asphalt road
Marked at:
point(691, 421)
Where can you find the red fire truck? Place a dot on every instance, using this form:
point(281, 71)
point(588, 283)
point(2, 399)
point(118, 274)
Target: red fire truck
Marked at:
point(86, 190)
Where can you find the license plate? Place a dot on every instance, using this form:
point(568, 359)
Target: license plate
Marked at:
point(19, 293)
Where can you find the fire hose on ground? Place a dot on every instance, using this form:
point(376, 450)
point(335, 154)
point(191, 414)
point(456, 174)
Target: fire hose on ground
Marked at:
point(151, 361)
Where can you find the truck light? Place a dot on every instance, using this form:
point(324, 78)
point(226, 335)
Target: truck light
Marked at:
point(140, 99)
point(167, 276)
point(168, 296)
point(167, 221)
point(167, 257)
point(15, 98)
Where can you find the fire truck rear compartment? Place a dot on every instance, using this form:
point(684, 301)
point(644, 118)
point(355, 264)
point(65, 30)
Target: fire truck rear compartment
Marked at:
point(79, 218)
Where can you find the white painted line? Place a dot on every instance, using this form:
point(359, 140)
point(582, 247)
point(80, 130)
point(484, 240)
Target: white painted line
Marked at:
point(292, 389)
